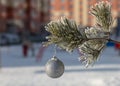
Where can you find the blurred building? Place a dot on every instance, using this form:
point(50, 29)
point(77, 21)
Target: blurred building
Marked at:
point(29, 15)
point(78, 10)
point(61, 8)
point(23, 14)
point(2, 16)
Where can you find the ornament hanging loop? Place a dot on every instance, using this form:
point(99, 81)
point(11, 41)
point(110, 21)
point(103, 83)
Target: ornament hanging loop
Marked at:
point(55, 51)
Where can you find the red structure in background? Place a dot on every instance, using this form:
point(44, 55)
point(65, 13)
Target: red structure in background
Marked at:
point(9, 12)
point(28, 15)
point(23, 12)
point(2, 18)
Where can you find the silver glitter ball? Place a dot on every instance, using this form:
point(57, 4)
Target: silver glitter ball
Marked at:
point(54, 67)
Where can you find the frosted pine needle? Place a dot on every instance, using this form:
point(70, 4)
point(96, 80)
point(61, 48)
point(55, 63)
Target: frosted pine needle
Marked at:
point(66, 34)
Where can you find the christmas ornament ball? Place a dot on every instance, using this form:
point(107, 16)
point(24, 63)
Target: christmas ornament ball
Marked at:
point(54, 67)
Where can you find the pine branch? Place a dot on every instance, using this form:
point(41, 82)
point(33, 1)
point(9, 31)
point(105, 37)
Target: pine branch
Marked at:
point(102, 13)
point(114, 41)
point(66, 34)
point(109, 39)
point(97, 37)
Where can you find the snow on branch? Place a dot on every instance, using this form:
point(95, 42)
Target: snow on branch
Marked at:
point(66, 34)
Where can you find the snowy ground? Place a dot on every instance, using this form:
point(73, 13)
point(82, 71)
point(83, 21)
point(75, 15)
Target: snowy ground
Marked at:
point(19, 71)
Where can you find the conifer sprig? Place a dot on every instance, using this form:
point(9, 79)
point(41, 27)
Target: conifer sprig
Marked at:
point(65, 34)
point(103, 15)
point(91, 41)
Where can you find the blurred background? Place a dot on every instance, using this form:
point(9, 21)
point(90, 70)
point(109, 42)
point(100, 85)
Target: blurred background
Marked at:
point(25, 19)
point(22, 57)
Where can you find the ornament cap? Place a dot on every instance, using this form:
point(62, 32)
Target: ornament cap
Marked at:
point(54, 58)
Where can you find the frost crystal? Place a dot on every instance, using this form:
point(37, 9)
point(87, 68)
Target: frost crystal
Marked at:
point(66, 34)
